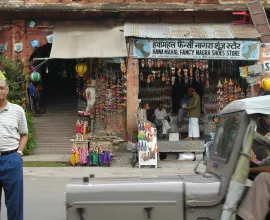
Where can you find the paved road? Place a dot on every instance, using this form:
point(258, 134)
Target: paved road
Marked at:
point(44, 198)
point(44, 187)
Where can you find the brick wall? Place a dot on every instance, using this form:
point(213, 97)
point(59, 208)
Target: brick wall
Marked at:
point(132, 97)
point(133, 1)
point(20, 33)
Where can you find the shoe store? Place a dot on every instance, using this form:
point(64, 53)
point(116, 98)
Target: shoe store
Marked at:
point(178, 60)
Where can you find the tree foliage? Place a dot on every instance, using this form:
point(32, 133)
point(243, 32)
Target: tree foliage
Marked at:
point(13, 74)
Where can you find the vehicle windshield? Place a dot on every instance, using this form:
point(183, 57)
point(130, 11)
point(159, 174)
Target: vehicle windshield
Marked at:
point(225, 137)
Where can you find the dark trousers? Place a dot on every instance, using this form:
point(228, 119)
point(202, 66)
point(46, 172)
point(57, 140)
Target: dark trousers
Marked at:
point(11, 181)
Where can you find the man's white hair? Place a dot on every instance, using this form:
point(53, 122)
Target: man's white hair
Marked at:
point(6, 83)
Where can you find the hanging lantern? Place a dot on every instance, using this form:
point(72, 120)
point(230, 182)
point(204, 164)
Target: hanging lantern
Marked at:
point(266, 84)
point(81, 69)
point(35, 77)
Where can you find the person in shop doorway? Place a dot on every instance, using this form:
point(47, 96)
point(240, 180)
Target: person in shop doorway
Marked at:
point(194, 113)
point(162, 119)
point(149, 116)
point(182, 111)
point(144, 115)
point(13, 138)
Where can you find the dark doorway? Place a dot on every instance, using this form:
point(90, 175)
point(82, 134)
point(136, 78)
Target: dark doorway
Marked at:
point(58, 81)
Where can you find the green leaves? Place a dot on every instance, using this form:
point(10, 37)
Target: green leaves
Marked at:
point(13, 74)
point(31, 144)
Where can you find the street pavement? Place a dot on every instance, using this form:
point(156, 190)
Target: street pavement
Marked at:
point(43, 200)
point(44, 187)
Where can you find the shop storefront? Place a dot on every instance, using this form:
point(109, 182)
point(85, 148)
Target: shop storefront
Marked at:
point(174, 57)
point(100, 54)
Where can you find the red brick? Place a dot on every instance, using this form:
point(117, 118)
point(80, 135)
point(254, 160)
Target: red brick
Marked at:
point(106, 1)
point(206, 1)
point(132, 96)
point(166, 1)
point(50, 1)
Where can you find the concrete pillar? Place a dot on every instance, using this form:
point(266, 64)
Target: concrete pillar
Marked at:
point(132, 97)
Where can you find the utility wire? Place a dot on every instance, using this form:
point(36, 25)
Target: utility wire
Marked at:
point(33, 70)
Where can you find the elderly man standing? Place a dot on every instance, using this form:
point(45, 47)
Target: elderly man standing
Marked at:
point(13, 138)
point(194, 113)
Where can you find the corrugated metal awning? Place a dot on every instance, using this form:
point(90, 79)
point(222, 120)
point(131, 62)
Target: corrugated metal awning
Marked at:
point(191, 31)
point(86, 41)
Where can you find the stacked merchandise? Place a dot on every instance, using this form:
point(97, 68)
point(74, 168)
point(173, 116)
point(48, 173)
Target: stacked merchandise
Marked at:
point(165, 80)
point(92, 156)
point(147, 144)
point(228, 92)
point(100, 99)
point(161, 73)
point(111, 102)
point(82, 128)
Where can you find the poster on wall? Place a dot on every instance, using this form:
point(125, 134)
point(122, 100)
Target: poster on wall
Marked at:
point(196, 49)
point(265, 50)
point(265, 57)
point(3, 48)
point(34, 43)
point(18, 47)
point(49, 39)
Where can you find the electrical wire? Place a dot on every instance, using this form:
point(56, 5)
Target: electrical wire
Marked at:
point(33, 70)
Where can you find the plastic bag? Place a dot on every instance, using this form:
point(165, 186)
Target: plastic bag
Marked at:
point(186, 156)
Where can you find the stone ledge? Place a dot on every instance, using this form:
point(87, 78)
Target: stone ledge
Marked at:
point(118, 7)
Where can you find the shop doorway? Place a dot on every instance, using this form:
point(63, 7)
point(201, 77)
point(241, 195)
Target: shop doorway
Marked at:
point(57, 85)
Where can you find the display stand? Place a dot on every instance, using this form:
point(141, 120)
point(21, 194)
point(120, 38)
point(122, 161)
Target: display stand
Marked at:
point(79, 143)
point(147, 145)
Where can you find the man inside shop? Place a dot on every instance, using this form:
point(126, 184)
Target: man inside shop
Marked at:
point(162, 119)
point(194, 113)
point(149, 116)
point(182, 111)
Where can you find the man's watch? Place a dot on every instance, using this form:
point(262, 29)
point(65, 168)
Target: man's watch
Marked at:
point(20, 152)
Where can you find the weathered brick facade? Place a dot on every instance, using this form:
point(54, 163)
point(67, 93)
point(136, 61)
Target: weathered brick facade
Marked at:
point(126, 5)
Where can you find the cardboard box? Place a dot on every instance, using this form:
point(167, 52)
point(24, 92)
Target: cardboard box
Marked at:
point(173, 136)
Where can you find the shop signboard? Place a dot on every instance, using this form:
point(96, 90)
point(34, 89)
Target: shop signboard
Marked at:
point(265, 57)
point(266, 64)
point(196, 49)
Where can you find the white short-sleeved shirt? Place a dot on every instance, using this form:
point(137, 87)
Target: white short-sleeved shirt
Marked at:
point(13, 124)
point(160, 114)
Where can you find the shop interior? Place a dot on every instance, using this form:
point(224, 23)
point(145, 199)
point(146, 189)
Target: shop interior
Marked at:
point(217, 82)
point(93, 89)
point(101, 94)
point(107, 78)
point(65, 83)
